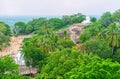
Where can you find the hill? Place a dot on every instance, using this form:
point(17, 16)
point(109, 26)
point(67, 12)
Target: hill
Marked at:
point(73, 31)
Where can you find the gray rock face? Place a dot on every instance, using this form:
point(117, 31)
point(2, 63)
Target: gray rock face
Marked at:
point(73, 31)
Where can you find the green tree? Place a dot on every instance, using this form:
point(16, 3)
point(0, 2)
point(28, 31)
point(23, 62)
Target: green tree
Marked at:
point(106, 19)
point(76, 18)
point(8, 69)
point(4, 28)
point(4, 67)
point(48, 41)
point(29, 29)
point(35, 24)
point(95, 68)
point(58, 63)
point(93, 19)
point(116, 16)
point(73, 64)
point(19, 28)
point(31, 53)
point(4, 35)
point(98, 47)
point(35, 48)
point(112, 35)
point(91, 31)
point(55, 23)
point(39, 23)
point(116, 56)
point(66, 20)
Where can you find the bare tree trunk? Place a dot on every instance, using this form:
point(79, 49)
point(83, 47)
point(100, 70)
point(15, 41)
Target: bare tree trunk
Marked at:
point(112, 50)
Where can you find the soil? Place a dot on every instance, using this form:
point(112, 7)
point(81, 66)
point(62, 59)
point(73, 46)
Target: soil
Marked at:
point(15, 45)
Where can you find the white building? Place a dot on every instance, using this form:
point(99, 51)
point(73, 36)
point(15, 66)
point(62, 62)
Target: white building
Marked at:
point(87, 20)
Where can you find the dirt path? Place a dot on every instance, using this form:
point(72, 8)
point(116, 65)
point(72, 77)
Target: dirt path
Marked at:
point(14, 45)
point(74, 31)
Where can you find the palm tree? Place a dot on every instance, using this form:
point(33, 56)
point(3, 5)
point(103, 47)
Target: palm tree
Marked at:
point(48, 41)
point(112, 35)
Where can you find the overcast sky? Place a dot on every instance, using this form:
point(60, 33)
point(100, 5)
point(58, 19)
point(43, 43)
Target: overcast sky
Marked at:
point(57, 7)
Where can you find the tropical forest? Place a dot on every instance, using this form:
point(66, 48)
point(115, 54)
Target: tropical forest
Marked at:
point(62, 48)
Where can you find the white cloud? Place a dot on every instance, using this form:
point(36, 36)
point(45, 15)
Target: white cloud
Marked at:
point(56, 7)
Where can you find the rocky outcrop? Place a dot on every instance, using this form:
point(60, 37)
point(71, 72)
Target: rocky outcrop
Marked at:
point(73, 32)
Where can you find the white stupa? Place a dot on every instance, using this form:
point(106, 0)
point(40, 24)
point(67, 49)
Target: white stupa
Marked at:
point(87, 20)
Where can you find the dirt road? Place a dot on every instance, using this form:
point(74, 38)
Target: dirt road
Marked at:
point(15, 45)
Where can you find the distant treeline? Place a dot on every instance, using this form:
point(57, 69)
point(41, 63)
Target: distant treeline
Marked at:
point(54, 23)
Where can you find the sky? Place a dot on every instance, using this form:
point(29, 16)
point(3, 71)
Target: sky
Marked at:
point(57, 7)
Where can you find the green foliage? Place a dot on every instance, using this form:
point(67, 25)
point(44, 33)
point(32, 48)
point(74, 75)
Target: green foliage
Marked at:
point(4, 67)
point(22, 28)
point(32, 54)
point(38, 23)
point(4, 34)
point(94, 68)
point(107, 32)
point(112, 35)
point(76, 18)
point(47, 41)
point(66, 19)
point(116, 56)
point(102, 41)
point(19, 28)
point(29, 29)
point(58, 63)
point(65, 43)
point(106, 19)
point(55, 23)
point(5, 29)
point(56, 57)
point(8, 69)
point(11, 76)
point(91, 31)
point(93, 19)
point(116, 16)
point(44, 42)
point(72, 64)
point(98, 47)
point(35, 49)
point(35, 24)
point(85, 36)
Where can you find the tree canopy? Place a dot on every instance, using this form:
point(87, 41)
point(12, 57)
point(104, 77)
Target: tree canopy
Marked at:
point(8, 68)
point(97, 56)
point(5, 33)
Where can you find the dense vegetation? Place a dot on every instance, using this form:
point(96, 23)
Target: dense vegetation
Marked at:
point(73, 64)
point(8, 69)
point(4, 35)
point(53, 23)
point(96, 57)
point(103, 36)
point(39, 46)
